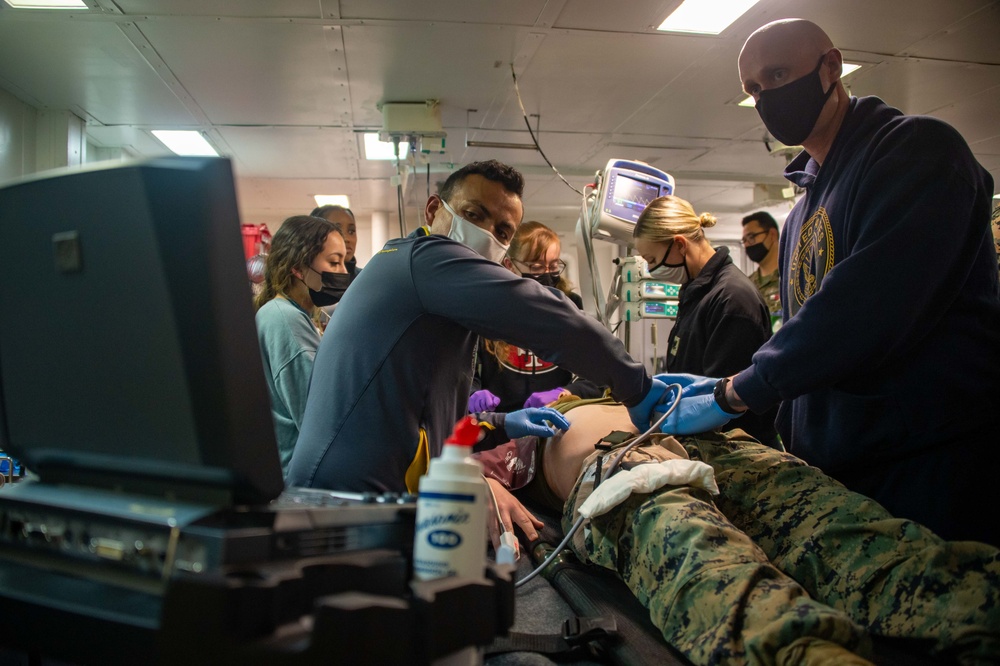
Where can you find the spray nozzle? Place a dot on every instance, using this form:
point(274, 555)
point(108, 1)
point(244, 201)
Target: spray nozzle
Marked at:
point(466, 432)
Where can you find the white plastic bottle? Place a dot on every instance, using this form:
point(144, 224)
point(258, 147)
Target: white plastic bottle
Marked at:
point(450, 537)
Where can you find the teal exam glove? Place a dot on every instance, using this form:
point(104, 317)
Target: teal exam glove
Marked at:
point(695, 414)
point(536, 421)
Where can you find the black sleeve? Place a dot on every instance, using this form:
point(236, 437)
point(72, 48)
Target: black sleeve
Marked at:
point(584, 388)
point(492, 424)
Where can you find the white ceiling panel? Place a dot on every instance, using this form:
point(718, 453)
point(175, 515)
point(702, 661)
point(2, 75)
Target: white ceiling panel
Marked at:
point(922, 87)
point(86, 66)
point(242, 8)
point(878, 26)
point(287, 87)
point(627, 17)
point(257, 72)
point(509, 12)
point(461, 67)
point(315, 153)
point(599, 93)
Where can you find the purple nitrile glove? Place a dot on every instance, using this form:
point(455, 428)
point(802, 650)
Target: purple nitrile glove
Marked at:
point(482, 401)
point(542, 398)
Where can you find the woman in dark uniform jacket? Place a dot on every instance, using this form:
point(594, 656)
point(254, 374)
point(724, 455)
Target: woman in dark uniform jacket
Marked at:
point(722, 318)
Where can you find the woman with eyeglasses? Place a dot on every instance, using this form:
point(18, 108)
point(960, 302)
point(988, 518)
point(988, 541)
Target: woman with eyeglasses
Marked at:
point(305, 270)
point(507, 377)
point(721, 319)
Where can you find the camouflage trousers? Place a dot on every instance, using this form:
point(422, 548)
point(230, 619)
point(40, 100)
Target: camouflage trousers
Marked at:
point(785, 552)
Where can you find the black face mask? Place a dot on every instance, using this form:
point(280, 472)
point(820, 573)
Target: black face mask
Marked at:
point(334, 286)
point(544, 279)
point(791, 111)
point(756, 252)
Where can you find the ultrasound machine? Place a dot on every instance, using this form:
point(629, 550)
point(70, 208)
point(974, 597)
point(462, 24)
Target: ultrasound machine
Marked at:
point(155, 527)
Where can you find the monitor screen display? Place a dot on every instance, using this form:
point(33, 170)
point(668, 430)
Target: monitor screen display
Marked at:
point(627, 196)
point(128, 352)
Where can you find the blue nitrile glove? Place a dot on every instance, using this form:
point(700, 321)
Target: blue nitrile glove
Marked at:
point(482, 401)
point(537, 421)
point(695, 414)
point(691, 384)
point(643, 412)
point(542, 398)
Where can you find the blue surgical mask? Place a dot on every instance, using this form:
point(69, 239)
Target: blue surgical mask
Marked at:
point(479, 240)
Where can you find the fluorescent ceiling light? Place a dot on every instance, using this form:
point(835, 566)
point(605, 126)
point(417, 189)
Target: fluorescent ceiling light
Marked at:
point(500, 144)
point(186, 142)
point(47, 4)
point(709, 17)
point(383, 150)
point(848, 68)
point(332, 200)
point(996, 196)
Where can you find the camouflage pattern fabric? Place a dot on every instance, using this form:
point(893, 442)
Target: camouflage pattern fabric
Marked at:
point(786, 553)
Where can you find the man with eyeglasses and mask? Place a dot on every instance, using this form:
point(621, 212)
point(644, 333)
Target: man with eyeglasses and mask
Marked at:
point(393, 373)
point(509, 377)
point(888, 361)
point(760, 242)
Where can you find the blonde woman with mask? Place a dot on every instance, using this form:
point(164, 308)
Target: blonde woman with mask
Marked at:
point(722, 319)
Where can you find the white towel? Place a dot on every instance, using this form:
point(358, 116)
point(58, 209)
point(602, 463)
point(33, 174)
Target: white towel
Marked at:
point(645, 479)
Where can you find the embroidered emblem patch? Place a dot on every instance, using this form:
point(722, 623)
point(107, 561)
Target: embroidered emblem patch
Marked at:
point(812, 259)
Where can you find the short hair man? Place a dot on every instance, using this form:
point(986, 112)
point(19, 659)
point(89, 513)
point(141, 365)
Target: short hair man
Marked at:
point(393, 371)
point(760, 241)
point(887, 363)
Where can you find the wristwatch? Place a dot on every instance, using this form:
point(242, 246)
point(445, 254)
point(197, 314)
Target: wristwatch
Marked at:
point(719, 393)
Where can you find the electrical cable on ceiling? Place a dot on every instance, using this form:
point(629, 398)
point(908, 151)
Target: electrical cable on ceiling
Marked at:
point(524, 114)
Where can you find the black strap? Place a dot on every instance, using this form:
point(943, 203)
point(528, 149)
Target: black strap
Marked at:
point(577, 632)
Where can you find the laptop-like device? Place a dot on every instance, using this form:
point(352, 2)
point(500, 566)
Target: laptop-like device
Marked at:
point(132, 386)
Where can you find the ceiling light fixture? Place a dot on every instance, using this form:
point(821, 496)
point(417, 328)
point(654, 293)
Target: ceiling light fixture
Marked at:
point(849, 67)
point(706, 17)
point(341, 200)
point(186, 142)
point(383, 150)
point(500, 144)
point(47, 4)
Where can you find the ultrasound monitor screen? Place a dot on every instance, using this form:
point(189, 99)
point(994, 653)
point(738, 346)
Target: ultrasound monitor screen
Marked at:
point(127, 343)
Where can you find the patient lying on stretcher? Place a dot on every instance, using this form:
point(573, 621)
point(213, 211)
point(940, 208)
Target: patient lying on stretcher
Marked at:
point(783, 566)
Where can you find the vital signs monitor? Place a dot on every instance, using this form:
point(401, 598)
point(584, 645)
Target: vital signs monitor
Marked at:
point(626, 188)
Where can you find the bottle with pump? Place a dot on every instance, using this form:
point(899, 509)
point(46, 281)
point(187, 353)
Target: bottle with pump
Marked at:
point(450, 537)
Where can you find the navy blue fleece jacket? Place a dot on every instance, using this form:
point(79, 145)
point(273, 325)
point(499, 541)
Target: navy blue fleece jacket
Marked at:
point(888, 361)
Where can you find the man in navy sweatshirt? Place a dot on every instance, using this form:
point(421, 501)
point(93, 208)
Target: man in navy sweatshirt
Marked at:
point(887, 365)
